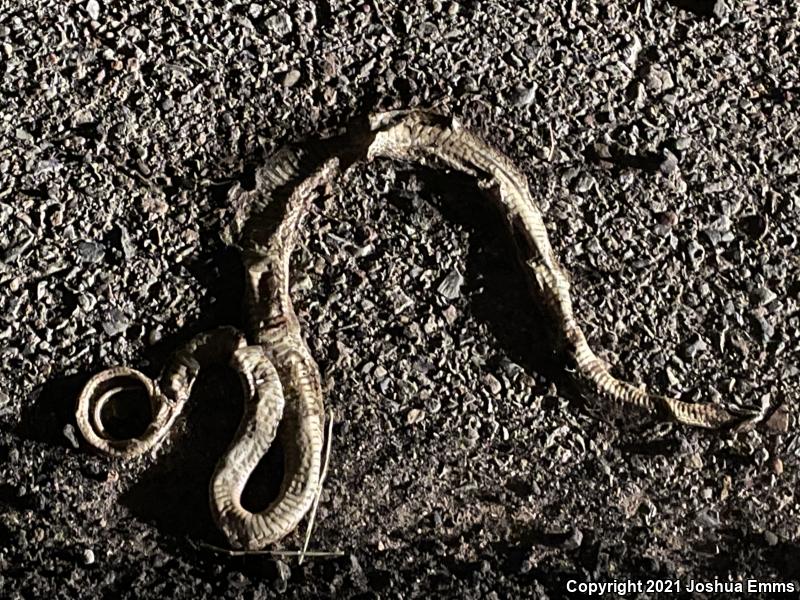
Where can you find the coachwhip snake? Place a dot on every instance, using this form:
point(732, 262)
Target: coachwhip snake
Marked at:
point(281, 381)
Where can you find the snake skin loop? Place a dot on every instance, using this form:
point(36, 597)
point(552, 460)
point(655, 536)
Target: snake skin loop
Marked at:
point(280, 382)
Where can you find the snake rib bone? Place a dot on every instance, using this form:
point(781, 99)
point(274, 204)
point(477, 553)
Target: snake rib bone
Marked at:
point(280, 379)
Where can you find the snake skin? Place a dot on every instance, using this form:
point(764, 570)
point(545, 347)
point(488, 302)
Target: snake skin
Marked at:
point(281, 380)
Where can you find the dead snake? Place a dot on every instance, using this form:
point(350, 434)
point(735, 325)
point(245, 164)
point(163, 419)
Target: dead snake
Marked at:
point(280, 379)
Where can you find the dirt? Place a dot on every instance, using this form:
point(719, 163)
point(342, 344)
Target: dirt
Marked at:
point(661, 141)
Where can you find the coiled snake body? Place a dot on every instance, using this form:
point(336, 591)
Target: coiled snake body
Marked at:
point(281, 381)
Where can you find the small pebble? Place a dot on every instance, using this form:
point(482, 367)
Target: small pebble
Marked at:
point(116, 322)
point(155, 335)
point(755, 226)
point(93, 10)
point(450, 287)
point(695, 253)
point(771, 538)
point(524, 97)
point(779, 420)
point(433, 405)
point(721, 9)
point(574, 540)
point(88, 557)
point(255, 10)
point(494, 385)
point(766, 328)
point(698, 346)
point(128, 249)
point(669, 163)
point(69, 433)
point(291, 78)
point(280, 24)
point(526, 566)
point(762, 296)
point(90, 252)
point(668, 219)
point(707, 518)
point(694, 461)
point(414, 416)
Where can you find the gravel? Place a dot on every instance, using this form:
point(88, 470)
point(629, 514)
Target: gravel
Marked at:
point(661, 141)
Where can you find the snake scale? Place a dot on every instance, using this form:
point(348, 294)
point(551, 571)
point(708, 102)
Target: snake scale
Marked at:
point(280, 379)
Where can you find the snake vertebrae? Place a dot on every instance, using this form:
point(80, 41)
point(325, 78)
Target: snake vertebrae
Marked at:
point(280, 379)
